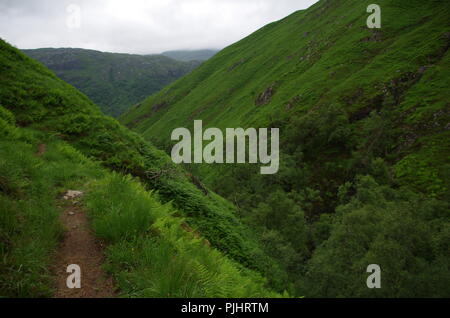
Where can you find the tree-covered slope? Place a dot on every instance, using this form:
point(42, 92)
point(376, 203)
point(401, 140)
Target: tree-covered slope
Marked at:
point(364, 125)
point(113, 81)
point(166, 234)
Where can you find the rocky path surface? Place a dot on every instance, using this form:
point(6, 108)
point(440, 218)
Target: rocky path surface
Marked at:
point(79, 247)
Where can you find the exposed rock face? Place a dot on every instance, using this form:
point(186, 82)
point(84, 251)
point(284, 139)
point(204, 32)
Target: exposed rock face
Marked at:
point(71, 194)
point(240, 62)
point(159, 106)
point(264, 97)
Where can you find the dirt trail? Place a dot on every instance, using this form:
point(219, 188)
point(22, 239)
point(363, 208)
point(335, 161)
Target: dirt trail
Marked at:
point(41, 150)
point(80, 247)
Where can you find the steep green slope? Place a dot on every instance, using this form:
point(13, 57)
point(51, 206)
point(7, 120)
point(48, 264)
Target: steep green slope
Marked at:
point(142, 233)
point(113, 81)
point(364, 126)
point(195, 55)
point(149, 253)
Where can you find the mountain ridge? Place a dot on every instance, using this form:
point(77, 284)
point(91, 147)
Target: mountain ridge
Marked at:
point(191, 55)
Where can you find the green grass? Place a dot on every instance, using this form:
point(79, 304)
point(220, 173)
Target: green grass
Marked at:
point(29, 224)
point(83, 147)
point(148, 252)
point(151, 253)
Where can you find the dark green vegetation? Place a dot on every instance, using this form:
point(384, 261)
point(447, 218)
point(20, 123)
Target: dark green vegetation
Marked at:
point(113, 81)
point(196, 55)
point(364, 124)
point(28, 217)
point(192, 246)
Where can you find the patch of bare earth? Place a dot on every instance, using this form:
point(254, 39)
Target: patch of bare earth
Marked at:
point(41, 150)
point(80, 247)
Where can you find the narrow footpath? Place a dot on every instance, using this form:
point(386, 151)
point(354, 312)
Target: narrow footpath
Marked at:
point(80, 247)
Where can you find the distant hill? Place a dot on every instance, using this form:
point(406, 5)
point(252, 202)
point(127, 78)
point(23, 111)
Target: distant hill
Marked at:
point(113, 81)
point(186, 56)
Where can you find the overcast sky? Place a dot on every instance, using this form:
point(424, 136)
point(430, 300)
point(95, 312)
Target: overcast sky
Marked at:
point(137, 26)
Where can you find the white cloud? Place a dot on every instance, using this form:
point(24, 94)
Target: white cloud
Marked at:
point(139, 26)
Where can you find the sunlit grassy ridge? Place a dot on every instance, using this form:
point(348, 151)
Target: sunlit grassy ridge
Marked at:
point(198, 245)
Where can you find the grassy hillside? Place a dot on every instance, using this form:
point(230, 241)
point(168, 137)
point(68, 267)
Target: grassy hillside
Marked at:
point(113, 81)
point(364, 117)
point(195, 55)
point(192, 246)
